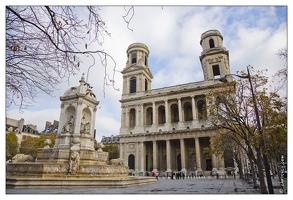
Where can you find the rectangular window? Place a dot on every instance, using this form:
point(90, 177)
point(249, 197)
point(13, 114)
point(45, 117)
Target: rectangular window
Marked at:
point(216, 71)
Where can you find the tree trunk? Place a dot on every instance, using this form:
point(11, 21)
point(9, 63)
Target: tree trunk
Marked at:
point(240, 167)
point(263, 188)
point(252, 171)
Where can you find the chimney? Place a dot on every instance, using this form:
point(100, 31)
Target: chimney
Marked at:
point(55, 123)
point(47, 124)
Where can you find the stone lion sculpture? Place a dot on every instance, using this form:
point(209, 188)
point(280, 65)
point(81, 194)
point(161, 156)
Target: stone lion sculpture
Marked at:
point(22, 158)
point(118, 161)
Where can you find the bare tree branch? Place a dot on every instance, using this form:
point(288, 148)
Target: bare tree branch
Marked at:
point(46, 44)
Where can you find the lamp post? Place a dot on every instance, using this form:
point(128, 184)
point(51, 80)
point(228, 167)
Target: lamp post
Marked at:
point(261, 145)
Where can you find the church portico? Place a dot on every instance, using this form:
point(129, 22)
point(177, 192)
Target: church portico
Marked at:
point(165, 152)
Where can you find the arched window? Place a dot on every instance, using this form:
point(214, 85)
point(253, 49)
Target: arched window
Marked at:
point(132, 84)
point(132, 117)
point(149, 116)
point(212, 44)
point(161, 115)
point(133, 58)
point(174, 113)
point(188, 111)
point(145, 85)
point(145, 60)
point(202, 114)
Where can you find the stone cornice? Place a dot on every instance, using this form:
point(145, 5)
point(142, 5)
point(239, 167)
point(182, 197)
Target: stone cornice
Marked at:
point(79, 95)
point(204, 129)
point(170, 91)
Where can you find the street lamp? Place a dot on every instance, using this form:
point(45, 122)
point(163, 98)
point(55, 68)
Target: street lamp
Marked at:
point(266, 163)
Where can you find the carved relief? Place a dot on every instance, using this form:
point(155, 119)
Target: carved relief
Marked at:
point(74, 163)
point(118, 161)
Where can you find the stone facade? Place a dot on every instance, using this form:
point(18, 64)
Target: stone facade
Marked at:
point(166, 130)
point(21, 130)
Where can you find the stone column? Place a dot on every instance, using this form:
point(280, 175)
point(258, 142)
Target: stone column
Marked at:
point(61, 124)
point(193, 108)
point(214, 162)
point(168, 156)
point(180, 109)
point(154, 114)
point(155, 156)
point(142, 159)
point(198, 154)
point(93, 119)
point(221, 162)
point(76, 134)
point(126, 117)
point(182, 148)
point(167, 116)
point(141, 115)
point(137, 116)
point(123, 116)
point(136, 158)
point(121, 150)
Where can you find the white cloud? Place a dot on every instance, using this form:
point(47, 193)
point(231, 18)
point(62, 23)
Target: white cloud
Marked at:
point(251, 34)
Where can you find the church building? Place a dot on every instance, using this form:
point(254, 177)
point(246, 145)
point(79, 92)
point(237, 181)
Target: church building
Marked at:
point(166, 130)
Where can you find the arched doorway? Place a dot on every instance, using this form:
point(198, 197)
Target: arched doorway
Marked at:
point(131, 161)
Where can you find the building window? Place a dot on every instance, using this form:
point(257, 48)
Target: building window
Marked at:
point(149, 116)
point(132, 118)
point(212, 44)
point(161, 115)
point(202, 114)
point(145, 85)
point(174, 113)
point(216, 71)
point(188, 111)
point(145, 61)
point(133, 58)
point(132, 85)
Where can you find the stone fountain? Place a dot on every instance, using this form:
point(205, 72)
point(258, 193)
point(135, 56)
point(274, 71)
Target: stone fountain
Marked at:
point(73, 161)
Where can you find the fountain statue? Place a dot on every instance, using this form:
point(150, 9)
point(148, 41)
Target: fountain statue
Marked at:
point(73, 161)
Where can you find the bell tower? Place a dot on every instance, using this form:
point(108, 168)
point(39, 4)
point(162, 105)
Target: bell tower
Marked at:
point(214, 57)
point(137, 76)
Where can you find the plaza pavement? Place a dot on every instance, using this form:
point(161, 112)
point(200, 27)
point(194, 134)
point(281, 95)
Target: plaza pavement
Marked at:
point(163, 186)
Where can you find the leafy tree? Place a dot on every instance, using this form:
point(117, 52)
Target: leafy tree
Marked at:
point(11, 145)
point(234, 111)
point(42, 138)
point(46, 44)
point(112, 150)
point(224, 142)
point(29, 146)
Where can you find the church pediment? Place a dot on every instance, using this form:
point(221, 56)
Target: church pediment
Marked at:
point(134, 68)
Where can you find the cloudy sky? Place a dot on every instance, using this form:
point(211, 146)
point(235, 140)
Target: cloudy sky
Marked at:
point(252, 34)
